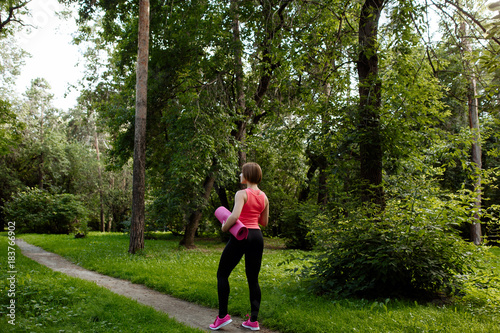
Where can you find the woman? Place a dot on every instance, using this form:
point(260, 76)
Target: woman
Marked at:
point(251, 207)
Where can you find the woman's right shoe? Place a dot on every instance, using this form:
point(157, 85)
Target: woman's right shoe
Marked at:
point(253, 325)
point(218, 323)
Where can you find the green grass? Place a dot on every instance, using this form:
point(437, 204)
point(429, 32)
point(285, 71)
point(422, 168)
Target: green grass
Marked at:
point(48, 301)
point(287, 303)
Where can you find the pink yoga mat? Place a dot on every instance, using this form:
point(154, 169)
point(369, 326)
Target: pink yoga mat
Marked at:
point(238, 229)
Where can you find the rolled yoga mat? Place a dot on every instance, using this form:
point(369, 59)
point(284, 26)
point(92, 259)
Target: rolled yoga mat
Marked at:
point(238, 229)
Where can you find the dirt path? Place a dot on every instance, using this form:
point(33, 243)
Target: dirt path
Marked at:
point(188, 313)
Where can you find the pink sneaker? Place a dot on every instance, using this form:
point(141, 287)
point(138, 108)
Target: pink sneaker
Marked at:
point(218, 323)
point(253, 325)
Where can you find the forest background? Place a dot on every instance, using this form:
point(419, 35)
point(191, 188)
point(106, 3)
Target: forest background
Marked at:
point(372, 120)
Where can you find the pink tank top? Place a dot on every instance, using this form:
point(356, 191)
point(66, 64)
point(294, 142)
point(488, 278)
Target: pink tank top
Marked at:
point(256, 202)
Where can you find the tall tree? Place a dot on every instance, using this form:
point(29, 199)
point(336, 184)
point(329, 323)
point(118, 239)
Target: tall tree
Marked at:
point(475, 227)
point(94, 91)
point(370, 84)
point(39, 109)
point(238, 77)
point(470, 30)
point(139, 173)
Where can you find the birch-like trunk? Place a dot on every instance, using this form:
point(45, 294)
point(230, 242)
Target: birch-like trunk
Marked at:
point(99, 171)
point(139, 169)
point(475, 227)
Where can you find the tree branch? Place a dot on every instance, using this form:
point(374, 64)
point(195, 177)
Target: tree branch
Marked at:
point(471, 17)
point(265, 79)
point(11, 17)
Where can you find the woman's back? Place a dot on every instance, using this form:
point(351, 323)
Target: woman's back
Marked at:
point(254, 206)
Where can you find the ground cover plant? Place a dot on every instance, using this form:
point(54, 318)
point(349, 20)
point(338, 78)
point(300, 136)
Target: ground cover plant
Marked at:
point(288, 304)
point(48, 301)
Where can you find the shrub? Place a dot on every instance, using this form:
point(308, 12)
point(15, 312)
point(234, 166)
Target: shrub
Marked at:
point(296, 226)
point(413, 249)
point(37, 211)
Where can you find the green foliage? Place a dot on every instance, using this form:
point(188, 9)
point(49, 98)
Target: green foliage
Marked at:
point(296, 226)
point(37, 211)
point(412, 249)
point(198, 148)
point(9, 128)
point(283, 174)
point(54, 150)
point(483, 285)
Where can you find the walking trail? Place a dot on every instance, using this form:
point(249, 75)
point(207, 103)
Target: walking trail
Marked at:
point(190, 314)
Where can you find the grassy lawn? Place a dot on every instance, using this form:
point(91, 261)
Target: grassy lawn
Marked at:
point(287, 304)
point(48, 301)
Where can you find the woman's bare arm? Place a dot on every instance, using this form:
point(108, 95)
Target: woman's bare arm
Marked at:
point(239, 200)
point(264, 216)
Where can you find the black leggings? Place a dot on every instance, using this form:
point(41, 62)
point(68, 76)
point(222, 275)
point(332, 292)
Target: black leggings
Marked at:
point(252, 248)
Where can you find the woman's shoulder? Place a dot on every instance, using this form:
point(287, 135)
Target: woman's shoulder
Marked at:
point(241, 194)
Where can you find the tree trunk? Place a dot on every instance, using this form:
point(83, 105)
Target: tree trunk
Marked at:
point(304, 193)
point(40, 170)
point(112, 208)
point(195, 217)
point(41, 166)
point(322, 186)
point(369, 107)
point(110, 223)
point(99, 184)
point(139, 169)
point(221, 192)
point(475, 227)
point(240, 134)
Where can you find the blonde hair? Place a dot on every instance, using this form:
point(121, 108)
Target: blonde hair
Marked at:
point(252, 172)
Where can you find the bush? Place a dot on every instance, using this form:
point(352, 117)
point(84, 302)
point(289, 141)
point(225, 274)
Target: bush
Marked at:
point(412, 250)
point(37, 211)
point(296, 226)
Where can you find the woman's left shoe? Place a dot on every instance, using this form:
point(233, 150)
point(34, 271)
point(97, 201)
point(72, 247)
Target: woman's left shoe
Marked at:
point(218, 323)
